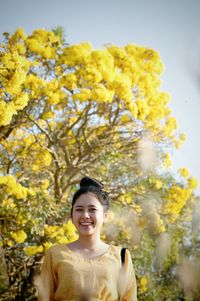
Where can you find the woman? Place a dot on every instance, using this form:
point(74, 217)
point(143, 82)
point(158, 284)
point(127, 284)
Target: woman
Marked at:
point(88, 268)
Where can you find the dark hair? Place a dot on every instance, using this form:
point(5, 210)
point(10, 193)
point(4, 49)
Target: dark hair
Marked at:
point(87, 185)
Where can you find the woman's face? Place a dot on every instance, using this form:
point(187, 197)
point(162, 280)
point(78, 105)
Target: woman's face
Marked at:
point(88, 214)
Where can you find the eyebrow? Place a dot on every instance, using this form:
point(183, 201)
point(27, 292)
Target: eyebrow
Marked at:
point(79, 206)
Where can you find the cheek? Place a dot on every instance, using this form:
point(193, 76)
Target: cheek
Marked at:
point(73, 217)
point(100, 217)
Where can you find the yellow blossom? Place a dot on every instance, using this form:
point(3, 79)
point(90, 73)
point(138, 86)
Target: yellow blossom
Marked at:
point(170, 126)
point(158, 184)
point(20, 220)
point(43, 42)
point(69, 81)
point(48, 115)
point(47, 245)
point(83, 95)
point(177, 198)
point(19, 236)
point(21, 49)
point(128, 198)
point(8, 203)
point(90, 75)
point(137, 208)
point(9, 242)
point(143, 284)
point(192, 182)
point(21, 101)
point(45, 184)
point(127, 233)
point(32, 250)
point(62, 240)
point(6, 112)
point(51, 231)
point(178, 142)
point(19, 34)
point(69, 228)
point(14, 84)
point(42, 159)
point(101, 94)
point(75, 54)
point(14, 188)
point(54, 98)
point(103, 62)
point(167, 160)
point(122, 88)
point(184, 172)
point(125, 118)
point(143, 109)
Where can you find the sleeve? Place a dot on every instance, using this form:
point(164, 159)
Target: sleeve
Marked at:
point(128, 285)
point(46, 281)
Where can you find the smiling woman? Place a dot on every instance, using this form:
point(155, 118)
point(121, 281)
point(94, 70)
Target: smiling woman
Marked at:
point(88, 268)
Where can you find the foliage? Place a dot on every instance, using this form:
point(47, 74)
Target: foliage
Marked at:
point(67, 111)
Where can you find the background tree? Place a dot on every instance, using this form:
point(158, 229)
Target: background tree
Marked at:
point(67, 111)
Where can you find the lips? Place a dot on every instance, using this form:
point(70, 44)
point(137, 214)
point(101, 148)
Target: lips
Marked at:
point(85, 224)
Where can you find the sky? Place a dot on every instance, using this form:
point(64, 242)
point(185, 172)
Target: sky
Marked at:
point(170, 27)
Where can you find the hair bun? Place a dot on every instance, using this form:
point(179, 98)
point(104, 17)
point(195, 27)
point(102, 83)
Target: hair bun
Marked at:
point(87, 181)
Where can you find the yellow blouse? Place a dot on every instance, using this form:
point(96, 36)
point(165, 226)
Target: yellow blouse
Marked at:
point(68, 276)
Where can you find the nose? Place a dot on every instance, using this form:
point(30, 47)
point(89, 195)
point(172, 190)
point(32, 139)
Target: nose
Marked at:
point(85, 214)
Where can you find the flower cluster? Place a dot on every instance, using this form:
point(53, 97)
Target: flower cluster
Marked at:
point(61, 234)
point(14, 66)
point(176, 200)
point(42, 43)
point(33, 250)
point(19, 236)
point(128, 74)
point(143, 284)
point(13, 188)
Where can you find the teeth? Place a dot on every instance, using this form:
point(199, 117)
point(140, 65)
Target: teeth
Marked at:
point(85, 224)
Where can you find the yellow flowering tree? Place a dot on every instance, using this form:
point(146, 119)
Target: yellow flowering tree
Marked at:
point(70, 110)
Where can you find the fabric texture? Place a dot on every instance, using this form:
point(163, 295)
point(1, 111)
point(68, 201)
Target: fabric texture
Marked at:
point(68, 276)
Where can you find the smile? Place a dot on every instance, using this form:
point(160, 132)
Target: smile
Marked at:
point(85, 224)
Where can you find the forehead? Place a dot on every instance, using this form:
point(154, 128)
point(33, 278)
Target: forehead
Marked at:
point(87, 199)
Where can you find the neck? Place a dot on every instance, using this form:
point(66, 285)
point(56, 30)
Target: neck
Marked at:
point(89, 242)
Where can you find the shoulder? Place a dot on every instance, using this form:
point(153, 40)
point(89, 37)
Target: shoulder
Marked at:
point(56, 253)
point(122, 253)
point(118, 249)
point(56, 249)
point(115, 251)
point(115, 248)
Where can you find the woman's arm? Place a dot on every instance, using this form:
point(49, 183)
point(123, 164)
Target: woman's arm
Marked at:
point(128, 287)
point(46, 281)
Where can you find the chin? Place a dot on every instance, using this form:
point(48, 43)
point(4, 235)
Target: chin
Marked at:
point(86, 232)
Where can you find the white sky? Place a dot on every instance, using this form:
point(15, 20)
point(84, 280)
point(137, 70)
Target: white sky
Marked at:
point(170, 27)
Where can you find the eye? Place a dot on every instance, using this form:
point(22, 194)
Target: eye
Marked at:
point(78, 209)
point(93, 209)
